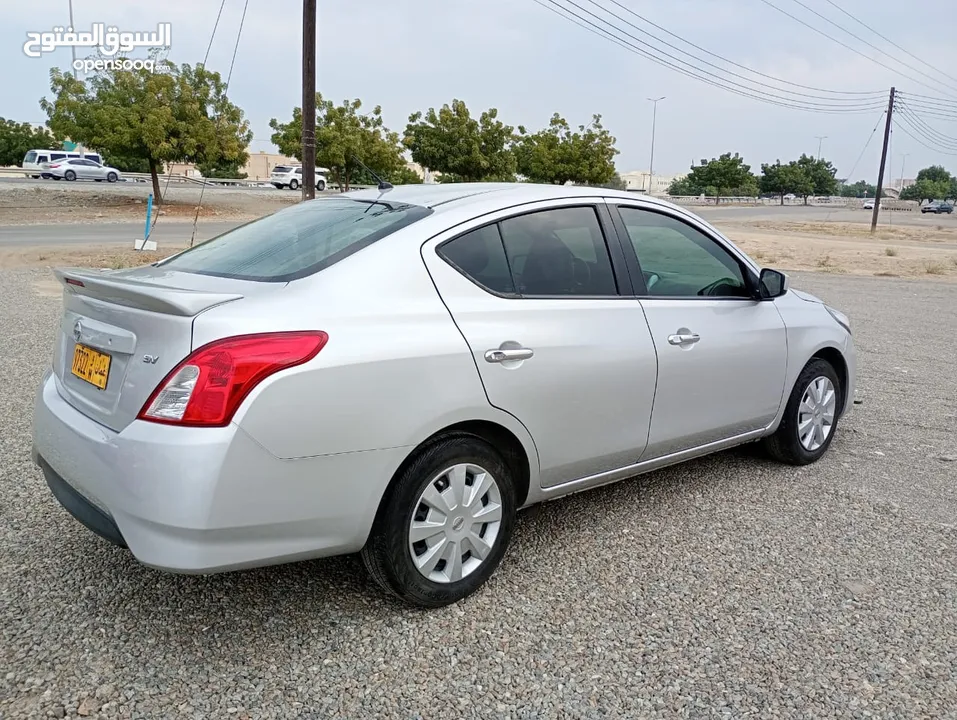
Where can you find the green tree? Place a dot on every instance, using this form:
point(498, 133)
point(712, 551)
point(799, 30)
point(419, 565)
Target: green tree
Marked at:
point(558, 154)
point(343, 134)
point(860, 189)
point(821, 174)
point(404, 175)
point(927, 189)
point(462, 148)
point(178, 113)
point(723, 176)
point(224, 170)
point(684, 187)
point(17, 139)
point(784, 179)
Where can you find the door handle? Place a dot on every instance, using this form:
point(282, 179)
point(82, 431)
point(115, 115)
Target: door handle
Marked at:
point(684, 339)
point(498, 356)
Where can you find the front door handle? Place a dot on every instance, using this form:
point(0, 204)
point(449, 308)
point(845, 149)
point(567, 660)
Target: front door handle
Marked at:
point(684, 339)
point(498, 355)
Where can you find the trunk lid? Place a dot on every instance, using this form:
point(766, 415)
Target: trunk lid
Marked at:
point(121, 332)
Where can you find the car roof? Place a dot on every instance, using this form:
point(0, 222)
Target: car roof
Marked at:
point(446, 196)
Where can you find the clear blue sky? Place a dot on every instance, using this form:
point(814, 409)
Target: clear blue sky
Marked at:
point(407, 55)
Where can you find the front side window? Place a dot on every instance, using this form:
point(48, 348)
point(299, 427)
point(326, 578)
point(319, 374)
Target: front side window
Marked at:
point(297, 241)
point(678, 260)
point(480, 256)
point(558, 252)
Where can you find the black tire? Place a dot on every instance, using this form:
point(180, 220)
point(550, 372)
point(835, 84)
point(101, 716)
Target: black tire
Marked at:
point(69, 175)
point(387, 555)
point(294, 184)
point(111, 177)
point(785, 444)
point(35, 177)
point(321, 185)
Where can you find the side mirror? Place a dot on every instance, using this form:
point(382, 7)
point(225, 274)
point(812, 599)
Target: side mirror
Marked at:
point(772, 284)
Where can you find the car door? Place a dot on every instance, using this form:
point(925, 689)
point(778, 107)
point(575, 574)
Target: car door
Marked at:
point(542, 298)
point(722, 355)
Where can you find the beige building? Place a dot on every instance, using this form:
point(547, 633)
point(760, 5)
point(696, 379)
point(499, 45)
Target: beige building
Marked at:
point(643, 182)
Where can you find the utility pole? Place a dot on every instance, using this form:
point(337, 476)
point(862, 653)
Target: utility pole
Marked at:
point(308, 99)
point(651, 163)
point(820, 139)
point(880, 172)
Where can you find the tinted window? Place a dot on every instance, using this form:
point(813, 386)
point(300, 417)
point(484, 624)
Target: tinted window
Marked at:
point(298, 171)
point(94, 158)
point(297, 241)
point(480, 256)
point(57, 156)
point(558, 252)
point(679, 261)
point(281, 169)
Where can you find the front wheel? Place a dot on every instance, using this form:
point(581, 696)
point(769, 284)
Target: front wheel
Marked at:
point(810, 418)
point(321, 185)
point(444, 525)
point(111, 177)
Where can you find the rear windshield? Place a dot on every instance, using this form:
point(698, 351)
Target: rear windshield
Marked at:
point(281, 169)
point(298, 241)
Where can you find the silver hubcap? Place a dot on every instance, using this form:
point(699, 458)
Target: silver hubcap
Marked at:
point(816, 413)
point(455, 523)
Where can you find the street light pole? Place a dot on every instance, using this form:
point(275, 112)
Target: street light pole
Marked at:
point(654, 119)
point(820, 139)
point(73, 47)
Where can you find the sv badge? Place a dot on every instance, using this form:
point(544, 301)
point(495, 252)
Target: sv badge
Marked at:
point(150, 359)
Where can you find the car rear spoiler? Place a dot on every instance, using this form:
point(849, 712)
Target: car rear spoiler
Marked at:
point(143, 296)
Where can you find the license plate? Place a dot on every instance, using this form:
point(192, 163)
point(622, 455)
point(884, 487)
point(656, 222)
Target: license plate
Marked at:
point(91, 365)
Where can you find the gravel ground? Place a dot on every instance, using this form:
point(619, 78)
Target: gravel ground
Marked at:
point(726, 587)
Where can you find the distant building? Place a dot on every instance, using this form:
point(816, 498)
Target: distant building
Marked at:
point(642, 181)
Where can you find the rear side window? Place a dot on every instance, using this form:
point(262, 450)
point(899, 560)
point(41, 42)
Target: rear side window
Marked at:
point(298, 241)
point(480, 256)
point(559, 252)
point(94, 158)
point(57, 156)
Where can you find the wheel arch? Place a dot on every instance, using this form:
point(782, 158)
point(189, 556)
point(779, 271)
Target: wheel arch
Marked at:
point(835, 358)
point(496, 435)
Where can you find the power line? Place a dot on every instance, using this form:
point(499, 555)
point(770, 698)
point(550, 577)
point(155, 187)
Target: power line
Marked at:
point(866, 144)
point(887, 39)
point(844, 44)
point(869, 44)
point(829, 101)
point(921, 142)
point(719, 82)
point(724, 59)
point(213, 35)
point(926, 130)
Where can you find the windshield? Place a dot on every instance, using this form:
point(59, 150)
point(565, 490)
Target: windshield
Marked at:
point(30, 157)
point(298, 241)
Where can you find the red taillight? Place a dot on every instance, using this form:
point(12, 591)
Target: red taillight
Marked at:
point(208, 386)
point(73, 281)
point(55, 166)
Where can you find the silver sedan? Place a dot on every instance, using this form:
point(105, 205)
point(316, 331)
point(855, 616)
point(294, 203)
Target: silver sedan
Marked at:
point(79, 169)
point(399, 372)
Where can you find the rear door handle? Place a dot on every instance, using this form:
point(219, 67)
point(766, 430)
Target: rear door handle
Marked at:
point(498, 356)
point(684, 339)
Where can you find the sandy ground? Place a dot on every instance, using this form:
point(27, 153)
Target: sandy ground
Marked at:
point(927, 251)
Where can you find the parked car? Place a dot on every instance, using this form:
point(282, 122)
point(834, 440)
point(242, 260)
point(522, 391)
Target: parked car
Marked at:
point(34, 159)
point(938, 207)
point(868, 204)
point(79, 169)
point(399, 372)
point(290, 176)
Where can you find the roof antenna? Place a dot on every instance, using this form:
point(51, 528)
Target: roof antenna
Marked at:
point(383, 185)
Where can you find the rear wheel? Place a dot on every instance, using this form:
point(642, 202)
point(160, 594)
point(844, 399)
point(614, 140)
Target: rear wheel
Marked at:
point(445, 523)
point(810, 418)
point(321, 185)
point(294, 184)
point(69, 175)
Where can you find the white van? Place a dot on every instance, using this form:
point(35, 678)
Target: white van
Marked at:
point(34, 158)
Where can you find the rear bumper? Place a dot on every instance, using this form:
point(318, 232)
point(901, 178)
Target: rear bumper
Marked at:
point(205, 500)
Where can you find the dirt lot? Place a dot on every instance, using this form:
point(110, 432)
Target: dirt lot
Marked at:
point(897, 249)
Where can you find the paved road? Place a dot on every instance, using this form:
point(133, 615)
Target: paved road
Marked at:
point(727, 587)
point(165, 233)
